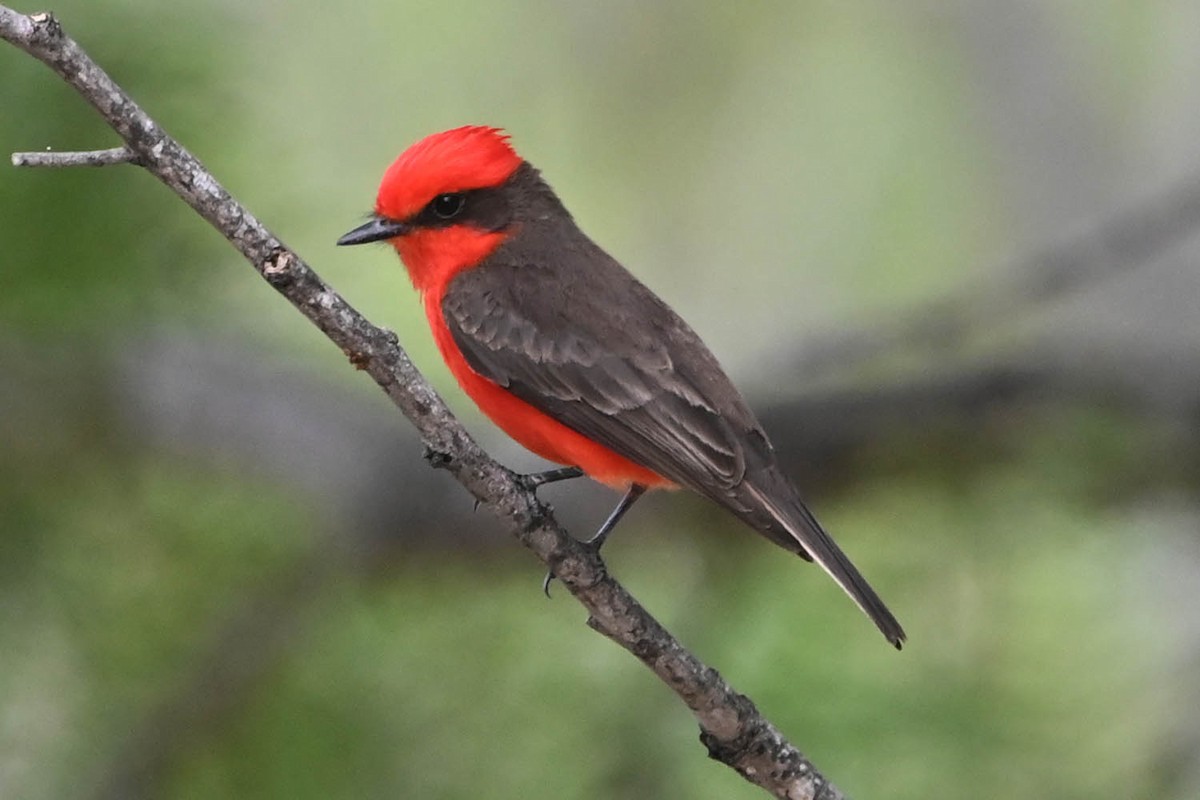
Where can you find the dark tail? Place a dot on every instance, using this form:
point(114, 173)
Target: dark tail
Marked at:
point(785, 509)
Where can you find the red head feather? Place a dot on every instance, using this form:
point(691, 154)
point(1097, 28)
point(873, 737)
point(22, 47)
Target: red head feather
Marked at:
point(470, 157)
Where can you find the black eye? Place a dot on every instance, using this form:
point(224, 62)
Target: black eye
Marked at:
point(447, 206)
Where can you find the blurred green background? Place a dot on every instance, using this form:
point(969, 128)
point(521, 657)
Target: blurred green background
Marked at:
point(225, 569)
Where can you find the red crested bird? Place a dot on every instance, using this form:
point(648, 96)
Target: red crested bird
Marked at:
point(572, 356)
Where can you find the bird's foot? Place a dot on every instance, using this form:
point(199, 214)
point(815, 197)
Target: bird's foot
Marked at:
point(597, 541)
point(533, 481)
point(537, 479)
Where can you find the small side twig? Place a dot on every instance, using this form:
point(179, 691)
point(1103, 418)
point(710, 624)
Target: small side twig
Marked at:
point(86, 158)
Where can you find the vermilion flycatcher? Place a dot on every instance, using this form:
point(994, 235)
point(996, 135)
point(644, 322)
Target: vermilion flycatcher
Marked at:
point(571, 355)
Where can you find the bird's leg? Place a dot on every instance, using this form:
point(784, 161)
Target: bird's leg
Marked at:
point(631, 496)
point(597, 541)
point(535, 479)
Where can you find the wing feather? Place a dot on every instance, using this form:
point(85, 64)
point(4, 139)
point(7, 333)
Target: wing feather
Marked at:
point(607, 358)
point(616, 381)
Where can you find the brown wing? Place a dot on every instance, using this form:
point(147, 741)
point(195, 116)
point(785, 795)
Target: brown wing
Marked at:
point(612, 361)
point(596, 350)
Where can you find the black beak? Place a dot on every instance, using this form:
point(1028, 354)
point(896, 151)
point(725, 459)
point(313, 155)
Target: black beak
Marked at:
point(375, 230)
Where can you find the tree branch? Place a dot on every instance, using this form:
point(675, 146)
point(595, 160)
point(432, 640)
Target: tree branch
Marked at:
point(88, 158)
point(732, 729)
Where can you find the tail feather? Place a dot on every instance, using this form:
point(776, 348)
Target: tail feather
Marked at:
point(811, 539)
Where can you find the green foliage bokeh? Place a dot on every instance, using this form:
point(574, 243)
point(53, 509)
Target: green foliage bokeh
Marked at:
point(798, 164)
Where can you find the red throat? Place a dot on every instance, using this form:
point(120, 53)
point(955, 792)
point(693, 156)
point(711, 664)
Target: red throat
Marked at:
point(434, 256)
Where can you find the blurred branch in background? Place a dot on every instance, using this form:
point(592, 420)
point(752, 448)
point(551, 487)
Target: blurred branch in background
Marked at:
point(959, 325)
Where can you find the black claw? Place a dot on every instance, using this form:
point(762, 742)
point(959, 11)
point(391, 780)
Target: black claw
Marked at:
point(546, 581)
